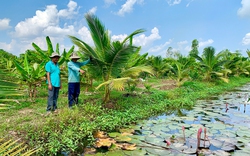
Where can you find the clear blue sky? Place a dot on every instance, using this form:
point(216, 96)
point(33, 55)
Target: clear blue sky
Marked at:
point(223, 24)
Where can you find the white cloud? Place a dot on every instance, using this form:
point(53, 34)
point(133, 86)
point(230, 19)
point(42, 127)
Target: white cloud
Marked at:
point(120, 37)
point(70, 12)
point(244, 11)
point(109, 2)
point(85, 35)
point(160, 48)
point(143, 40)
point(246, 39)
point(188, 48)
point(34, 26)
point(57, 31)
point(4, 23)
point(47, 22)
point(7, 47)
point(182, 43)
point(174, 2)
point(92, 10)
point(128, 6)
point(43, 23)
point(189, 3)
point(205, 43)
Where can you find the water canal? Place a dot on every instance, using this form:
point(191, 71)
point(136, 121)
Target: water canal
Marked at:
point(216, 126)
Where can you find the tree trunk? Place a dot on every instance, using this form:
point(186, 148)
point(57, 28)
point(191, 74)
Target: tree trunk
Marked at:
point(107, 94)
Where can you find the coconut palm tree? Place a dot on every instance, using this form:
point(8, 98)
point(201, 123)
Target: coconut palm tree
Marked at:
point(211, 64)
point(159, 65)
point(181, 69)
point(14, 148)
point(109, 57)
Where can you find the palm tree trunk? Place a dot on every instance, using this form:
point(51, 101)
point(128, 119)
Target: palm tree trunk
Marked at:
point(107, 94)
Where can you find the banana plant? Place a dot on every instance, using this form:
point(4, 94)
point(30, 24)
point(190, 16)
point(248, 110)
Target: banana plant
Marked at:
point(45, 54)
point(30, 74)
point(9, 91)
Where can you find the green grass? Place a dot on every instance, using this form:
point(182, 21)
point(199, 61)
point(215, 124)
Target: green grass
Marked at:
point(72, 129)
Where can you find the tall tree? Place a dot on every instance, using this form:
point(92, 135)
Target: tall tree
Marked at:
point(194, 48)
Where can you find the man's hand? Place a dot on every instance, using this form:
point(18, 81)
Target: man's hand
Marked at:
point(50, 87)
point(81, 71)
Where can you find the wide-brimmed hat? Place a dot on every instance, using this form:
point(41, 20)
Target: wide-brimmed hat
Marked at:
point(74, 56)
point(54, 54)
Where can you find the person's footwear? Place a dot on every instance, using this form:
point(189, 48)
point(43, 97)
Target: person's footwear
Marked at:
point(56, 111)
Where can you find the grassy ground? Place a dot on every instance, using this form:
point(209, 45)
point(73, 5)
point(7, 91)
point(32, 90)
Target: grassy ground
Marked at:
point(72, 129)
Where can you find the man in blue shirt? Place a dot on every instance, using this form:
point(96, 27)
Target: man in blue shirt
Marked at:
point(53, 81)
point(74, 78)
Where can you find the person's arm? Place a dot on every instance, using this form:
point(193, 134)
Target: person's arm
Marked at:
point(47, 69)
point(73, 67)
point(84, 63)
point(49, 82)
point(60, 82)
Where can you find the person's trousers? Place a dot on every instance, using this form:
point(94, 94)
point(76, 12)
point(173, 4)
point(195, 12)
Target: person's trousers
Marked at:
point(73, 93)
point(52, 98)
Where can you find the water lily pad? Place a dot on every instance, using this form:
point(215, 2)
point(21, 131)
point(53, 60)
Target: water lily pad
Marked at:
point(139, 152)
point(241, 153)
point(155, 140)
point(127, 131)
point(146, 132)
point(114, 153)
point(158, 151)
point(179, 146)
point(189, 151)
point(217, 126)
point(114, 134)
point(228, 147)
point(123, 138)
point(243, 133)
point(159, 128)
point(221, 152)
point(216, 143)
point(104, 142)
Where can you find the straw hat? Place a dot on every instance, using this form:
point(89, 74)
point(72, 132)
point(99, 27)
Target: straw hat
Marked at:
point(54, 54)
point(74, 56)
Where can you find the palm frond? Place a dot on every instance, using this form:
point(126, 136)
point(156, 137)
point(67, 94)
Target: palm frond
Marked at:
point(119, 58)
point(4, 106)
point(138, 31)
point(14, 148)
point(85, 48)
point(117, 84)
point(135, 71)
point(99, 34)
